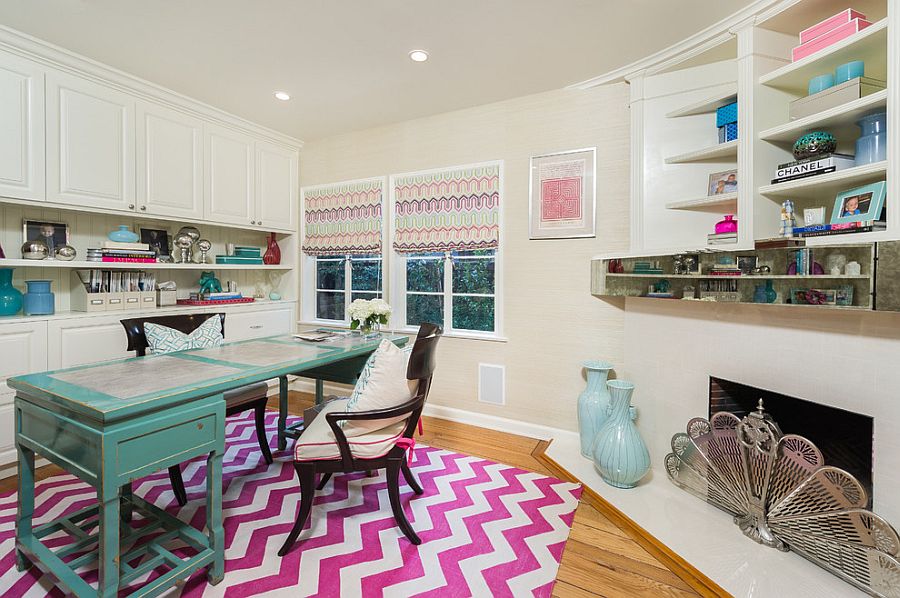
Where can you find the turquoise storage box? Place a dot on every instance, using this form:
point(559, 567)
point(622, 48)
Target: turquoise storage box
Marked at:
point(726, 114)
point(728, 132)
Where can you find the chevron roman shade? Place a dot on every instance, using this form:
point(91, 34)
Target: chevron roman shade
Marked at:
point(343, 218)
point(456, 209)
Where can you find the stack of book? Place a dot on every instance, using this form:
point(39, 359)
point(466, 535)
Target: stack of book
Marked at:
point(724, 270)
point(115, 251)
point(842, 228)
point(223, 296)
point(646, 268)
point(721, 238)
point(801, 169)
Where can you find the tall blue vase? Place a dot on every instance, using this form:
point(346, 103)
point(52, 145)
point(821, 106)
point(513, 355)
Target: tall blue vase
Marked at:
point(38, 300)
point(592, 404)
point(10, 296)
point(620, 454)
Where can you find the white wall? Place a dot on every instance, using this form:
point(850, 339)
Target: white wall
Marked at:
point(550, 318)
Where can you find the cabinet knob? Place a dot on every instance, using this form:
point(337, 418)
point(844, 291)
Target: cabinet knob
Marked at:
point(143, 208)
point(131, 206)
point(259, 223)
point(253, 222)
point(256, 327)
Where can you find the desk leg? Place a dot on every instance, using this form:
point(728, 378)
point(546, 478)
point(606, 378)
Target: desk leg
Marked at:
point(126, 503)
point(282, 412)
point(26, 502)
point(109, 545)
point(320, 391)
point(216, 570)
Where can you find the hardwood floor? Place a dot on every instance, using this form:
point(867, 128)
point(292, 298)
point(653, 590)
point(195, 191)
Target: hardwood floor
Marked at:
point(600, 559)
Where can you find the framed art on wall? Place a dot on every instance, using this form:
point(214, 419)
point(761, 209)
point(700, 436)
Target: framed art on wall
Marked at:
point(562, 200)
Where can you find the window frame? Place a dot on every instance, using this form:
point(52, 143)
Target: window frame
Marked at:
point(347, 291)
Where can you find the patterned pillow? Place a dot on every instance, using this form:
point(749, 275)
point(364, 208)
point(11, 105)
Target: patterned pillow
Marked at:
point(381, 384)
point(162, 339)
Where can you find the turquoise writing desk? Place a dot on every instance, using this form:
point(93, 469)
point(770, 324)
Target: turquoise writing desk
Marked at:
point(114, 422)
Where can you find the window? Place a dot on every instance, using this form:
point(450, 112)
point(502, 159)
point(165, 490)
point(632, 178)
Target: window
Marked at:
point(341, 279)
point(456, 289)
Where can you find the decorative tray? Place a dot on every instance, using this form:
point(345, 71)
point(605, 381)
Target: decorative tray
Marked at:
point(214, 301)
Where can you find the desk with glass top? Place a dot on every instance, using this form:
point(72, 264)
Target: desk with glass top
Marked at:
point(111, 423)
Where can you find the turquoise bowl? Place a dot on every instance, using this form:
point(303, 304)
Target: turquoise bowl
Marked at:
point(820, 83)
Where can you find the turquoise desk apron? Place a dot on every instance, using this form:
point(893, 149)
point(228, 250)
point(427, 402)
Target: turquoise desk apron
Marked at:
point(114, 422)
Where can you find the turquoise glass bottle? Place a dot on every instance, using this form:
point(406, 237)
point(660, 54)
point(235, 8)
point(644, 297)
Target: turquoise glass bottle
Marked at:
point(620, 454)
point(593, 403)
point(10, 296)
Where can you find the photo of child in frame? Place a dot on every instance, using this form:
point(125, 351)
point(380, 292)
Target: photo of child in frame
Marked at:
point(855, 205)
point(722, 182)
point(54, 234)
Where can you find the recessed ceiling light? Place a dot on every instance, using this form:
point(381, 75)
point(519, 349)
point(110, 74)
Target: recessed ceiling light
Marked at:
point(418, 55)
point(282, 95)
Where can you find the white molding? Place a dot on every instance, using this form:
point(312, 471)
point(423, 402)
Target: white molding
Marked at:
point(493, 422)
point(56, 57)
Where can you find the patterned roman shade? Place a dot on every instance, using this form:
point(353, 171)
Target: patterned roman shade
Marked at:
point(343, 218)
point(453, 209)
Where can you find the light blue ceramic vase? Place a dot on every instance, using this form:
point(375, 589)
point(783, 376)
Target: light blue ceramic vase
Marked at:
point(123, 235)
point(593, 403)
point(620, 454)
point(38, 299)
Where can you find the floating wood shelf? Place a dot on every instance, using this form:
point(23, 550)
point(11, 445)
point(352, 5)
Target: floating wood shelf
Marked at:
point(726, 201)
point(724, 97)
point(840, 117)
point(825, 187)
point(720, 151)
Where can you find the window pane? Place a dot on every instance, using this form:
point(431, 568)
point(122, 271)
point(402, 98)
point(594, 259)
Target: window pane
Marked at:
point(473, 313)
point(330, 306)
point(424, 308)
point(364, 295)
point(475, 253)
point(330, 274)
point(473, 276)
point(365, 275)
point(425, 276)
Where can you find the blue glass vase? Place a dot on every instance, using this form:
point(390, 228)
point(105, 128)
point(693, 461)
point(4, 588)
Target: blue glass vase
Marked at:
point(620, 454)
point(592, 404)
point(10, 296)
point(38, 300)
point(123, 235)
point(872, 144)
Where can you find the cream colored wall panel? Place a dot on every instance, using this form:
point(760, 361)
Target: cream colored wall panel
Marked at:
point(22, 126)
point(277, 198)
point(169, 155)
point(229, 176)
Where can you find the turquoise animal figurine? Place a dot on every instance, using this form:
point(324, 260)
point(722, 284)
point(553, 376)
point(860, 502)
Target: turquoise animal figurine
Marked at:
point(209, 283)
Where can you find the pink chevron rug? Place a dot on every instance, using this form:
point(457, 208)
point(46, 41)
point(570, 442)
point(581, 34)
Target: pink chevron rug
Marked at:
point(487, 529)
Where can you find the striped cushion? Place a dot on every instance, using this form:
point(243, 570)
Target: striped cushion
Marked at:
point(162, 339)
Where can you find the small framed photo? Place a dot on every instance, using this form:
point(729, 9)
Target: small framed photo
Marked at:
point(859, 204)
point(54, 234)
point(723, 182)
point(157, 239)
point(746, 263)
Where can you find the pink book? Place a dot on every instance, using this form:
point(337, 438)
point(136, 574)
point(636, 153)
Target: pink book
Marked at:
point(823, 27)
point(833, 36)
point(130, 260)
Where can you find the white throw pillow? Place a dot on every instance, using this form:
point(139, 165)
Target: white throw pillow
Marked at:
point(382, 385)
point(162, 339)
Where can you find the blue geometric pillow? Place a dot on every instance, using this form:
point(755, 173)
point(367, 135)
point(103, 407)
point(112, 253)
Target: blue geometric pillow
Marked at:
point(162, 339)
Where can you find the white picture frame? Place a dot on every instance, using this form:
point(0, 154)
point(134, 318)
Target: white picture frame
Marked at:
point(562, 195)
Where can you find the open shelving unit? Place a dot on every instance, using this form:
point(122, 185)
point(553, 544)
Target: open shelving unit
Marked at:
point(827, 185)
point(708, 105)
point(842, 118)
point(727, 201)
point(727, 150)
point(77, 265)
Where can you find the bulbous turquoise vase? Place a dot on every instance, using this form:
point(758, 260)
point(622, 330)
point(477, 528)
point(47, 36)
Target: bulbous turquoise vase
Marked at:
point(620, 454)
point(10, 296)
point(593, 403)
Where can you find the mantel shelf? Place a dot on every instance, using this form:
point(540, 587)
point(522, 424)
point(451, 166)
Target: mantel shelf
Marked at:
point(724, 97)
point(838, 117)
point(825, 187)
point(724, 201)
point(19, 263)
point(726, 150)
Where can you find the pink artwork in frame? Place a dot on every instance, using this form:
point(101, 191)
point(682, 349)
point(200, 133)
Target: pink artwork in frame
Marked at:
point(561, 199)
point(562, 195)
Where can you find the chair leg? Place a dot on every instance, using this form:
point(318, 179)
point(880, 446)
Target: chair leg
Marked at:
point(178, 485)
point(323, 481)
point(260, 412)
point(410, 478)
point(393, 484)
point(307, 474)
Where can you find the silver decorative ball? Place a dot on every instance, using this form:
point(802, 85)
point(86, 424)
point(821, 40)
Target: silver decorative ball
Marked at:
point(66, 253)
point(204, 245)
point(191, 231)
point(36, 249)
point(183, 241)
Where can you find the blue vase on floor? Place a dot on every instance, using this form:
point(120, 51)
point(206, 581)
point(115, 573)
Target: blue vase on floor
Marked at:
point(123, 235)
point(620, 454)
point(38, 301)
point(592, 404)
point(10, 296)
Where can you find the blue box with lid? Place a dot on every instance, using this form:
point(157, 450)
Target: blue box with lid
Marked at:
point(728, 133)
point(727, 114)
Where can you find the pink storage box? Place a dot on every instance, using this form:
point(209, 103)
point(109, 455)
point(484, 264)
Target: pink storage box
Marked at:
point(823, 27)
point(833, 36)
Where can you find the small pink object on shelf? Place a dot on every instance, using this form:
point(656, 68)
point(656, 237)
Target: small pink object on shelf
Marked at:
point(729, 225)
point(827, 39)
point(823, 27)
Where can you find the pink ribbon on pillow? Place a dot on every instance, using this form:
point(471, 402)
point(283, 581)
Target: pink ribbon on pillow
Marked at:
point(407, 444)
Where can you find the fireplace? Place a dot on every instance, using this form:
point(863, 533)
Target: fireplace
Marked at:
point(844, 437)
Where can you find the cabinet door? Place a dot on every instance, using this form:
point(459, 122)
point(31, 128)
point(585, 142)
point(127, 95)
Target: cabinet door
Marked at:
point(228, 184)
point(169, 150)
point(276, 186)
point(90, 144)
point(21, 128)
point(24, 350)
point(83, 341)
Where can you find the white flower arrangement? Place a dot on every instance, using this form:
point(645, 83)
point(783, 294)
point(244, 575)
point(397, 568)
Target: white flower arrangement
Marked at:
point(366, 314)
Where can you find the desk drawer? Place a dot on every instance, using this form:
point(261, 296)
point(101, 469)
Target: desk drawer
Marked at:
point(155, 449)
point(257, 324)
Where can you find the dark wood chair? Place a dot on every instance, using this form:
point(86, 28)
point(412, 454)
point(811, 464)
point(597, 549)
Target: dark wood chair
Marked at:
point(421, 366)
point(245, 398)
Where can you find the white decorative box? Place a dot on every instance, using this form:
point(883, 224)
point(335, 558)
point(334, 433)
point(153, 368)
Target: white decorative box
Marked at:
point(835, 96)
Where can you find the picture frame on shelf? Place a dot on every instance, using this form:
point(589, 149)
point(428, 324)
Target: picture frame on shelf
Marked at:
point(157, 239)
point(723, 182)
point(747, 263)
point(859, 204)
point(54, 234)
point(562, 195)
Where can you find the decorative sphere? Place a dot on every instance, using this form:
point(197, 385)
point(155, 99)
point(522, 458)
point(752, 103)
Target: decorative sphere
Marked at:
point(814, 144)
point(36, 249)
point(204, 245)
point(275, 296)
point(183, 241)
point(66, 253)
point(191, 231)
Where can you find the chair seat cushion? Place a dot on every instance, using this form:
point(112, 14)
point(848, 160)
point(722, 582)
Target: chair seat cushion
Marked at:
point(318, 443)
point(246, 394)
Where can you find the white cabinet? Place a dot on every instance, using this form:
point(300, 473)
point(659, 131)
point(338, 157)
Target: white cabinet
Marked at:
point(257, 324)
point(169, 172)
point(90, 143)
point(23, 350)
point(21, 128)
point(82, 341)
point(277, 170)
point(229, 176)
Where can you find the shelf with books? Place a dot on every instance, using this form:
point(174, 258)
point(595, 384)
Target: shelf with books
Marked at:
point(724, 202)
point(839, 120)
point(825, 187)
point(726, 95)
point(720, 152)
point(21, 263)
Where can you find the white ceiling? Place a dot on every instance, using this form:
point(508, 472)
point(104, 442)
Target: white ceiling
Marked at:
point(345, 61)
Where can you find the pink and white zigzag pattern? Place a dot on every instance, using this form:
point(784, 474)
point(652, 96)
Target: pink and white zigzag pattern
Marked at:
point(487, 529)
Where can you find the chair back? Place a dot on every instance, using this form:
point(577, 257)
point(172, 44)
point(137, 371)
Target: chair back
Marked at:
point(186, 323)
point(423, 359)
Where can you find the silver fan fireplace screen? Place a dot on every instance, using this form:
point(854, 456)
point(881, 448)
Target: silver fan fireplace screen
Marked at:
point(782, 494)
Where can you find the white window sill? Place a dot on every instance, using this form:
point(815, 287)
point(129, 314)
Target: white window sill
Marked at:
point(411, 331)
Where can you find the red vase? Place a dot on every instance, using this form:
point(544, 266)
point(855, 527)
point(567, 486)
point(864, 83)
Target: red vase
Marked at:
point(273, 253)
